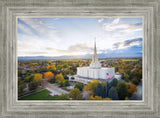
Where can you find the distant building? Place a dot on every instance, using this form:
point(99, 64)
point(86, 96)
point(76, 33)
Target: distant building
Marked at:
point(94, 71)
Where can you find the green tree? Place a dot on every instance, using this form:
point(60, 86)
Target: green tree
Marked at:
point(114, 82)
point(100, 90)
point(31, 71)
point(72, 77)
point(33, 85)
point(91, 86)
point(79, 86)
point(64, 96)
point(21, 87)
point(108, 86)
point(122, 90)
point(135, 81)
point(28, 78)
point(19, 73)
point(75, 94)
point(113, 94)
point(126, 77)
point(59, 78)
point(67, 82)
point(63, 83)
point(65, 77)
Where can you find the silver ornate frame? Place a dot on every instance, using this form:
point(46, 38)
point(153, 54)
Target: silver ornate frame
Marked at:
point(9, 105)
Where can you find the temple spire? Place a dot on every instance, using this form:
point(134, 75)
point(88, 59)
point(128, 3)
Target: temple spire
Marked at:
point(95, 63)
point(95, 50)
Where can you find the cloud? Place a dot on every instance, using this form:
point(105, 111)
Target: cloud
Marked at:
point(113, 25)
point(116, 21)
point(127, 43)
point(77, 49)
point(100, 20)
point(30, 44)
point(34, 34)
point(126, 28)
point(36, 26)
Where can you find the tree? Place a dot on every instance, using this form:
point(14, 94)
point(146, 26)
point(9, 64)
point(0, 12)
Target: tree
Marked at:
point(65, 77)
point(114, 82)
point(126, 77)
point(31, 71)
point(122, 90)
point(79, 86)
point(108, 86)
point(38, 78)
point(72, 78)
point(48, 76)
point(100, 90)
point(103, 83)
point(51, 67)
point(122, 76)
point(59, 78)
point(33, 85)
point(91, 86)
point(64, 97)
point(61, 83)
point(64, 83)
point(19, 73)
point(67, 82)
point(28, 78)
point(75, 94)
point(21, 87)
point(135, 81)
point(113, 94)
point(65, 65)
point(131, 88)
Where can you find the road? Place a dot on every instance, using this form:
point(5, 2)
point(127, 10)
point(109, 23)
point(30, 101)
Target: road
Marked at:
point(55, 90)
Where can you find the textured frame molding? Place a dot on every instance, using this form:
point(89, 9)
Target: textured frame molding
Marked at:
point(148, 107)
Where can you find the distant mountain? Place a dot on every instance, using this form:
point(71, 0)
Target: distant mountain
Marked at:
point(87, 56)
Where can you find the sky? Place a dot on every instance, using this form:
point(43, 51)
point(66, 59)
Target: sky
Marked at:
point(55, 36)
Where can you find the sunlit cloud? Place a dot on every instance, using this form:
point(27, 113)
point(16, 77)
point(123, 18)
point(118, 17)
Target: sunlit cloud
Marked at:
point(116, 26)
point(116, 21)
point(78, 49)
point(100, 20)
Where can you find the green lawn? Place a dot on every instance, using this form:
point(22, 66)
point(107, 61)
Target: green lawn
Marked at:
point(42, 95)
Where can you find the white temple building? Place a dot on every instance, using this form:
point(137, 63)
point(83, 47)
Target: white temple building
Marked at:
point(94, 71)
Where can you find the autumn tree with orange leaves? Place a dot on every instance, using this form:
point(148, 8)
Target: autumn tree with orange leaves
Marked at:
point(38, 78)
point(131, 88)
point(49, 76)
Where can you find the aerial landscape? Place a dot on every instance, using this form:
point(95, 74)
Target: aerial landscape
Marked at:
point(80, 58)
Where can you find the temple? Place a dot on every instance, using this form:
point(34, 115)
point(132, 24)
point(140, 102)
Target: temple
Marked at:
point(94, 71)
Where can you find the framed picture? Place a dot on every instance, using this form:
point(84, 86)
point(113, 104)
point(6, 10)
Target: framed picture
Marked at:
point(79, 58)
point(57, 59)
